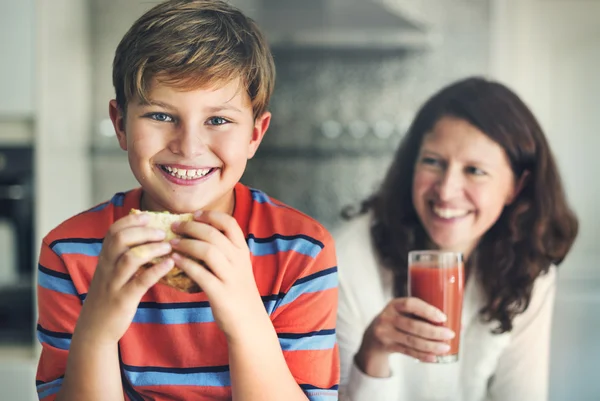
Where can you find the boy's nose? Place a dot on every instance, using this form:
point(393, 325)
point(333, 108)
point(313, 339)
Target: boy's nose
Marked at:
point(188, 143)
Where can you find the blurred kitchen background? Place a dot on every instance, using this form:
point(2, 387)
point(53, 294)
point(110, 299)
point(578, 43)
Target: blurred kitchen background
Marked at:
point(351, 74)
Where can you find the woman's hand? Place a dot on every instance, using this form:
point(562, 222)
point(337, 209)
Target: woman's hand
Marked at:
point(407, 326)
point(116, 289)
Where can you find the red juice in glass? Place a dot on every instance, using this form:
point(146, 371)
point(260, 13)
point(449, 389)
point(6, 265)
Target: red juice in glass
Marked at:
point(437, 277)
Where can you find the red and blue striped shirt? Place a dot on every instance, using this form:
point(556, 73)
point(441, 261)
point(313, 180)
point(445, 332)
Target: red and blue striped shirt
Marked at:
point(173, 348)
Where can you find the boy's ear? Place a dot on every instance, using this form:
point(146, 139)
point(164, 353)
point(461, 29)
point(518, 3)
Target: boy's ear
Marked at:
point(261, 124)
point(118, 119)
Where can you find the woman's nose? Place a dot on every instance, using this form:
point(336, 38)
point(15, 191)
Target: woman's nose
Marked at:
point(450, 184)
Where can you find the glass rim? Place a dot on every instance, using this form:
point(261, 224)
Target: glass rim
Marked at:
point(436, 252)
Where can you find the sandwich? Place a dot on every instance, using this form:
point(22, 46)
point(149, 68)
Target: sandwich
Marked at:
point(176, 277)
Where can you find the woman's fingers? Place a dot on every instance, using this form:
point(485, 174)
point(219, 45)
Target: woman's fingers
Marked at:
point(392, 337)
point(419, 344)
point(406, 326)
point(421, 356)
point(422, 329)
point(419, 308)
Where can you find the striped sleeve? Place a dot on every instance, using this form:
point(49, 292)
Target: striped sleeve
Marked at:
point(59, 306)
point(304, 320)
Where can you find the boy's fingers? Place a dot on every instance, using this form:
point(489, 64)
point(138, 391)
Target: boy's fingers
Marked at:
point(130, 262)
point(205, 232)
point(141, 283)
point(134, 236)
point(224, 223)
point(200, 274)
point(212, 256)
point(118, 242)
point(131, 220)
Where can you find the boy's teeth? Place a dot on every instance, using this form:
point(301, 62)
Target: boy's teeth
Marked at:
point(187, 174)
point(449, 213)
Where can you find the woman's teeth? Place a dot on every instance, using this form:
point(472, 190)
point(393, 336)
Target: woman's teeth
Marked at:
point(447, 213)
point(184, 174)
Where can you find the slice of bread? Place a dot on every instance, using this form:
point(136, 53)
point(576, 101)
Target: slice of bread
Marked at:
point(176, 277)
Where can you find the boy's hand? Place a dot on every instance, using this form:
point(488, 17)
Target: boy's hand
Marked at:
point(116, 290)
point(228, 280)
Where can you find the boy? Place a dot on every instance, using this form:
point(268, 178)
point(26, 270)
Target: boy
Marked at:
point(192, 80)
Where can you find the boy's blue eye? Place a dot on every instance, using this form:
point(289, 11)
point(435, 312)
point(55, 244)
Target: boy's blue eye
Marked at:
point(217, 121)
point(162, 117)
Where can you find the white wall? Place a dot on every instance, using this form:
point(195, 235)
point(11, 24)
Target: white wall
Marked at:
point(70, 103)
point(17, 53)
point(63, 111)
point(549, 52)
point(58, 124)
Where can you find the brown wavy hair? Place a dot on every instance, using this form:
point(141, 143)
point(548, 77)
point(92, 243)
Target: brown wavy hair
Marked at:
point(190, 44)
point(532, 233)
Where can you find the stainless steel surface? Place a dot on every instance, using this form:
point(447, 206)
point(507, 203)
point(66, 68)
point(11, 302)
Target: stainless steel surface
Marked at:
point(8, 254)
point(351, 24)
point(16, 246)
point(12, 192)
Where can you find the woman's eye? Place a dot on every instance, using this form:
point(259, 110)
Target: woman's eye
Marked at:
point(430, 161)
point(217, 121)
point(162, 117)
point(475, 171)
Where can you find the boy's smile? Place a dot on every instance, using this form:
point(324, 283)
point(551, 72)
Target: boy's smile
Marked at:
point(188, 148)
point(186, 175)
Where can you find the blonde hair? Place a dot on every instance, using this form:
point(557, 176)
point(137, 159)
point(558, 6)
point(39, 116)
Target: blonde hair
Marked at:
point(190, 44)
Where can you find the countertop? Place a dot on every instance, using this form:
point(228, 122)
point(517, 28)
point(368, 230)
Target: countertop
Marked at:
point(17, 373)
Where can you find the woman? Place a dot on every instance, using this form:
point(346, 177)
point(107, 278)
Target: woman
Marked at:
point(474, 175)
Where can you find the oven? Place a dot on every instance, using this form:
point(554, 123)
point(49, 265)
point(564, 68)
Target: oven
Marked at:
point(17, 251)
